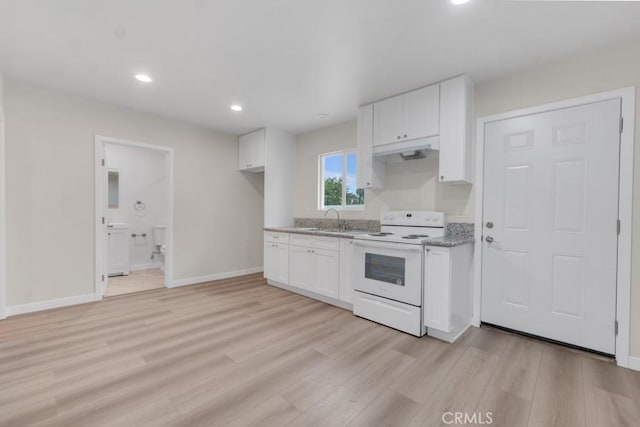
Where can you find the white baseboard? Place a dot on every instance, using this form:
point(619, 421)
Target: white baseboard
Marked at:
point(12, 310)
point(309, 294)
point(634, 363)
point(138, 267)
point(215, 276)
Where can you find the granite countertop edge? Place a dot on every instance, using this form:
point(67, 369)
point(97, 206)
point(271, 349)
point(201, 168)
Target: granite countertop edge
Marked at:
point(323, 233)
point(450, 241)
point(445, 241)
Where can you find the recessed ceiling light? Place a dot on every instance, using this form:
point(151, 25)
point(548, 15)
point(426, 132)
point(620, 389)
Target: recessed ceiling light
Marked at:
point(459, 1)
point(236, 107)
point(143, 78)
point(322, 115)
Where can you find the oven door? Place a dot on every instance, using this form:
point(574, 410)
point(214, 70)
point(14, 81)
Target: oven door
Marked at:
point(389, 270)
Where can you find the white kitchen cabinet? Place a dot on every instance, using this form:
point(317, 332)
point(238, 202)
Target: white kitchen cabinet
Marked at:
point(406, 117)
point(314, 264)
point(273, 152)
point(371, 171)
point(388, 120)
point(251, 151)
point(456, 113)
point(301, 267)
point(447, 290)
point(326, 269)
point(276, 262)
point(118, 237)
point(437, 295)
point(422, 112)
point(347, 269)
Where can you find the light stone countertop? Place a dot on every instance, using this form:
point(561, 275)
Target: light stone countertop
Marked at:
point(445, 241)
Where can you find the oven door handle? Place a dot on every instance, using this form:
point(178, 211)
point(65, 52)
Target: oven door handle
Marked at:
point(381, 245)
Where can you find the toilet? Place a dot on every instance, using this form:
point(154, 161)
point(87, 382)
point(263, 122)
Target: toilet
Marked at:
point(160, 241)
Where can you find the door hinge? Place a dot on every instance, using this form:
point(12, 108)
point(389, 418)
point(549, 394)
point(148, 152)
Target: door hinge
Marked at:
point(618, 227)
point(102, 162)
point(103, 277)
point(621, 124)
point(103, 220)
point(616, 327)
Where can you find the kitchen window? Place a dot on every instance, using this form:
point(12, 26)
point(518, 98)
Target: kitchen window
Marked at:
point(338, 187)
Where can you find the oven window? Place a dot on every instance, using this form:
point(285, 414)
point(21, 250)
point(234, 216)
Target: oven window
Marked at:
point(384, 268)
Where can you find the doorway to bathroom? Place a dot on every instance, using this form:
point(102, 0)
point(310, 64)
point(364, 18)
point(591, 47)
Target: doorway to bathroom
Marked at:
point(134, 216)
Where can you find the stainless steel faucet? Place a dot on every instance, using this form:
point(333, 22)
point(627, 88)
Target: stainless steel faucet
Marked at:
point(337, 213)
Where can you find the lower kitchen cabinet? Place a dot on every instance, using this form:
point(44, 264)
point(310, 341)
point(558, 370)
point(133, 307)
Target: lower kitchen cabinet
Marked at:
point(347, 269)
point(319, 265)
point(447, 290)
point(276, 262)
point(316, 270)
point(326, 272)
point(301, 267)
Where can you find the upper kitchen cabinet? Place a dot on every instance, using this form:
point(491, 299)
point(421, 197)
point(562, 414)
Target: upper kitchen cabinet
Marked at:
point(371, 171)
point(413, 115)
point(432, 120)
point(251, 151)
point(273, 152)
point(456, 113)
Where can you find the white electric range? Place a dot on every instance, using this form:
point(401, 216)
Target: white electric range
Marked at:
point(389, 271)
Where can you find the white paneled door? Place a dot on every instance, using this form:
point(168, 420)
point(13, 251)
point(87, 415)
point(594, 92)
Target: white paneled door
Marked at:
point(550, 224)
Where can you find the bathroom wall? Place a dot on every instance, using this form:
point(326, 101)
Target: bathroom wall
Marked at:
point(142, 177)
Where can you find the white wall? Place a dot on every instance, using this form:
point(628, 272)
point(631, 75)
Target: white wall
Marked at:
point(606, 69)
point(50, 193)
point(143, 176)
point(412, 184)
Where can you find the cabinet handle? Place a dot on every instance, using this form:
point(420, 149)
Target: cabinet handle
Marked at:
point(405, 135)
point(441, 177)
point(398, 136)
point(368, 183)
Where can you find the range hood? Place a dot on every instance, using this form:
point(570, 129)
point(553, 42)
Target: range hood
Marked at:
point(408, 150)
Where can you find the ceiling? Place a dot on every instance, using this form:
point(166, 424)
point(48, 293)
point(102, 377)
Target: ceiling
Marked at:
point(286, 61)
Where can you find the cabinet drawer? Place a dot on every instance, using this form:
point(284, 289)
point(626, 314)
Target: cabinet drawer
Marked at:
point(327, 243)
point(276, 237)
point(400, 316)
point(301, 240)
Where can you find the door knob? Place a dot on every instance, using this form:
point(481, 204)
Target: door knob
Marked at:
point(489, 239)
point(489, 224)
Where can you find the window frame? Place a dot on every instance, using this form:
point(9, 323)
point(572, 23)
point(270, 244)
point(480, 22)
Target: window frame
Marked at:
point(343, 206)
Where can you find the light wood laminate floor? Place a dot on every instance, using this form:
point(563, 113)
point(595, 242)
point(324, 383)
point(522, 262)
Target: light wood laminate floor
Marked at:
point(135, 281)
point(238, 352)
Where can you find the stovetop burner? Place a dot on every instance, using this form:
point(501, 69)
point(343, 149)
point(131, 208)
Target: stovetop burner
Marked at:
point(415, 236)
point(381, 234)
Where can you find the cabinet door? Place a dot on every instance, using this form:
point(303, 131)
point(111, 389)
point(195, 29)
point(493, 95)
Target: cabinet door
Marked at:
point(118, 251)
point(371, 172)
point(327, 273)
point(251, 151)
point(421, 113)
point(437, 294)
point(388, 120)
point(456, 110)
point(276, 262)
point(347, 269)
point(301, 267)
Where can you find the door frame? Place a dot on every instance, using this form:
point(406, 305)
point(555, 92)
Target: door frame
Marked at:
point(3, 222)
point(625, 205)
point(101, 208)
